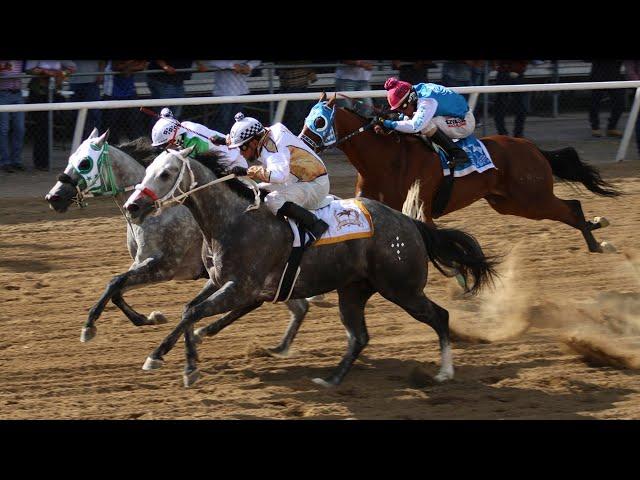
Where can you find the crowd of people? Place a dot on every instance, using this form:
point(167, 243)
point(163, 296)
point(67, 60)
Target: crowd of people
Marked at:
point(92, 80)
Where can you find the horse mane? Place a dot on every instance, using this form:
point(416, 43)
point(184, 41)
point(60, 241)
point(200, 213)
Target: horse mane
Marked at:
point(357, 114)
point(140, 150)
point(212, 162)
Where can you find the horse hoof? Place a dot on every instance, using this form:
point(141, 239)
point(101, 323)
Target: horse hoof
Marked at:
point(443, 376)
point(278, 352)
point(88, 333)
point(607, 247)
point(322, 382)
point(152, 363)
point(157, 318)
point(199, 334)
point(190, 378)
point(602, 221)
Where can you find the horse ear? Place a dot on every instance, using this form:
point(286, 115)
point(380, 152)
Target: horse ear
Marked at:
point(102, 139)
point(94, 133)
point(332, 101)
point(323, 97)
point(185, 152)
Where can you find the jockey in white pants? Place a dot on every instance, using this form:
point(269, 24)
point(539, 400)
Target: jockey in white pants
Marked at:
point(296, 177)
point(434, 111)
point(168, 132)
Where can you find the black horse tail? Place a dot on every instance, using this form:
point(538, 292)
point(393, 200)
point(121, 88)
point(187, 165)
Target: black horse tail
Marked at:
point(566, 164)
point(459, 252)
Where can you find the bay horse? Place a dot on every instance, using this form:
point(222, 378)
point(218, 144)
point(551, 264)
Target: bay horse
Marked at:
point(250, 249)
point(521, 185)
point(164, 247)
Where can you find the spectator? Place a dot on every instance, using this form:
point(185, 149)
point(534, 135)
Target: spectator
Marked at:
point(39, 93)
point(169, 84)
point(606, 71)
point(413, 71)
point(632, 68)
point(11, 123)
point(477, 72)
point(477, 78)
point(457, 74)
point(123, 122)
point(296, 80)
point(229, 79)
point(510, 72)
point(86, 88)
point(464, 73)
point(355, 75)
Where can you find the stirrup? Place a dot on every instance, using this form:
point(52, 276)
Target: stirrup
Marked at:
point(456, 161)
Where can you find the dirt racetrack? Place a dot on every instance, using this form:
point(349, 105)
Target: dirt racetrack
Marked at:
point(559, 337)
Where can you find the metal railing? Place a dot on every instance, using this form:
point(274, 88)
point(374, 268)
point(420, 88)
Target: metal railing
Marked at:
point(283, 98)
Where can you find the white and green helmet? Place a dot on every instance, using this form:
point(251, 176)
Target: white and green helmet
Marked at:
point(243, 130)
point(166, 128)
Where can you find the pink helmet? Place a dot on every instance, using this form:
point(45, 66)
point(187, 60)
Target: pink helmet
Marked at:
point(398, 91)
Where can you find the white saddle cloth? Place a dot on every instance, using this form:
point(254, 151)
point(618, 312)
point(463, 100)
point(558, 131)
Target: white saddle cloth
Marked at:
point(347, 219)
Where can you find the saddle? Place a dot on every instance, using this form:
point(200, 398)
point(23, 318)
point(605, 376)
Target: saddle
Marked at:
point(346, 224)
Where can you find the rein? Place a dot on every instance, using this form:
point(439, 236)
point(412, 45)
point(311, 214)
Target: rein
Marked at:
point(170, 196)
point(321, 147)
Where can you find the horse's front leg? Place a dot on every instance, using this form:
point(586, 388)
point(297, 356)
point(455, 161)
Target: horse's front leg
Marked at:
point(213, 328)
point(230, 296)
point(146, 272)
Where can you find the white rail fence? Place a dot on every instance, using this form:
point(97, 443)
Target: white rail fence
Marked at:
point(283, 98)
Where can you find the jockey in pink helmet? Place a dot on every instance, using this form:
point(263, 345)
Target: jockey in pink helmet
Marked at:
point(432, 110)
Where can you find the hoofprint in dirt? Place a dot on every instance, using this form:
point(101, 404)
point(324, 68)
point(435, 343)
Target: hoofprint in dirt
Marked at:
point(543, 372)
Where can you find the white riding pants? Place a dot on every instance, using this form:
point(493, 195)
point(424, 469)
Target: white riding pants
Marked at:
point(453, 127)
point(308, 195)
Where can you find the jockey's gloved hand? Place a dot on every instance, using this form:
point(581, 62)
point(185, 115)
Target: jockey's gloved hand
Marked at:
point(389, 124)
point(239, 171)
point(218, 140)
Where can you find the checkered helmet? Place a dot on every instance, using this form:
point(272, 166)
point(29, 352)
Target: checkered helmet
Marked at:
point(165, 129)
point(243, 130)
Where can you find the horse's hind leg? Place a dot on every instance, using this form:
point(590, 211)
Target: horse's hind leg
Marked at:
point(568, 212)
point(351, 301)
point(587, 226)
point(298, 309)
point(427, 311)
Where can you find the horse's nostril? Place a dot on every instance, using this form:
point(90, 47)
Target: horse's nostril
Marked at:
point(53, 198)
point(132, 207)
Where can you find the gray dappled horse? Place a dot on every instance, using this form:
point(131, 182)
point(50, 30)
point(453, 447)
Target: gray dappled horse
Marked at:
point(163, 247)
point(251, 248)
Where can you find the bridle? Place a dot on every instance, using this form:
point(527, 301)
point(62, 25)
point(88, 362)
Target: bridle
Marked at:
point(319, 147)
point(170, 197)
point(106, 176)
